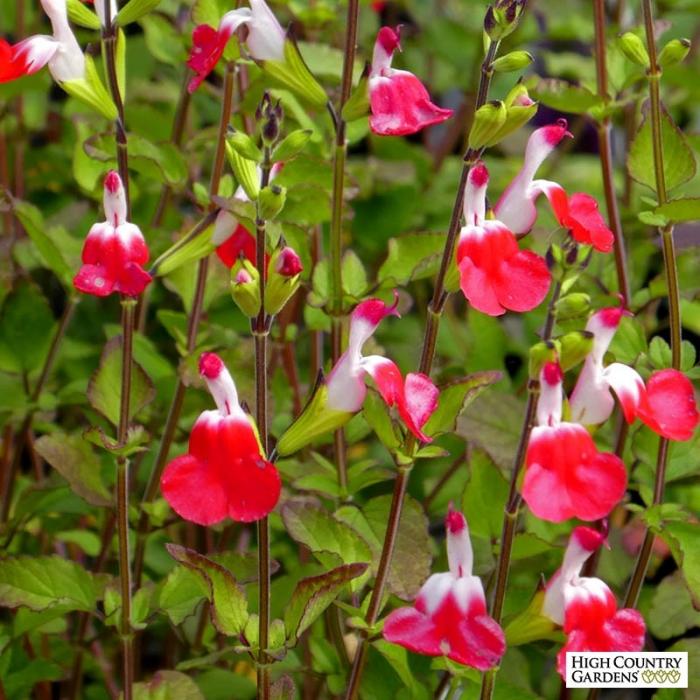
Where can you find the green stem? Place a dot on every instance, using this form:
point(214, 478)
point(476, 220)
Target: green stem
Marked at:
point(192, 328)
point(511, 511)
point(128, 307)
point(261, 329)
point(671, 272)
point(605, 149)
point(375, 603)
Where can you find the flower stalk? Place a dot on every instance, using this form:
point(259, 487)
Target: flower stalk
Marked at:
point(671, 273)
point(260, 327)
point(605, 148)
point(192, 328)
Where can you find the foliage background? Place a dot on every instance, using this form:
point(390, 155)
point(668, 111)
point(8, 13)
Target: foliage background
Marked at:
point(53, 153)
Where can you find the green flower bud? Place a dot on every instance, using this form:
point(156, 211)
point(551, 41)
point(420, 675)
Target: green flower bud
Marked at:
point(502, 18)
point(488, 121)
point(633, 48)
point(245, 287)
point(291, 145)
point(572, 306)
point(245, 171)
point(357, 105)
point(674, 52)
point(515, 60)
point(271, 201)
point(244, 145)
point(573, 348)
point(518, 97)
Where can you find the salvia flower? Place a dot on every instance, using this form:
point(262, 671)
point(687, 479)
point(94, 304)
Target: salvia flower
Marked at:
point(399, 102)
point(115, 250)
point(61, 52)
point(666, 403)
point(449, 617)
point(265, 39)
point(578, 212)
point(343, 392)
point(565, 474)
point(495, 275)
point(224, 473)
point(586, 608)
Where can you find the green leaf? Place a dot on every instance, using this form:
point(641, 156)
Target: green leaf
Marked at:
point(73, 459)
point(91, 91)
point(563, 96)
point(134, 9)
point(313, 595)
point(671, 613)
point(229, 611)
point(484, 497)
point(43, 582)
point(412, 257)
point(168, 685)
point(291, 145)
point(33, 222)
point(104, 387)
point(332, 541)
point(377, 415)
point(357, 105)
point(493, 423)
point(354, 275)
point(80, 15)
point(678, 159)
point(678, 210)
point(682, 538)
point(455, 397)
point(209, 11)
point(181, 593)
point(26, 326)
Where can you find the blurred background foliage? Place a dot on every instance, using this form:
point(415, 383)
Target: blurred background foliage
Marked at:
point(53, 154)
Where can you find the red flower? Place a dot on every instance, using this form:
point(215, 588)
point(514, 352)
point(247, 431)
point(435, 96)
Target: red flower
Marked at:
point(240, 242)
point(666, 404)
point(579, 212)
point(449, 617)
point(115, 250)
point(586, 608)
point(224, 474)
point(25, 58)
point(495, 275)
point(566, 477)
point(399, 102)
point(265, 39)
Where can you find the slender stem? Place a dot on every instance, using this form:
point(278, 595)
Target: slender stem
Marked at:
point(605, 149)
point(439, 298)
point(671, 272)
point(109, 40)
point(375, 603)
point(179, 122)
point(192, 328)
point(511, 511)
point(11, 472)
point(261, 329)
point(128, 307)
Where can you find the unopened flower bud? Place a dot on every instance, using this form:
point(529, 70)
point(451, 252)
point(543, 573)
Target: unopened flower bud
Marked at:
point(633, 48)
point(573, 306)
point(502, 18)
point(282, 278)
point(674, 52)
point(573, 348)
point(245, 287)
point(515, 60)
point(487, 123)
point(540, 354)
point(518, 97)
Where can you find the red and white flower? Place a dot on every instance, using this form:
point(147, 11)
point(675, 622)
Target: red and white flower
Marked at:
point(449, 617)
point(415, 399)
point(224, 474)
point(264, 41)
point(115, 250)
point(399, 102)
point(586, 608)
point(666, 403)
point(495, 275)
point(565, 474)
point(578, 212)
point(60, 52)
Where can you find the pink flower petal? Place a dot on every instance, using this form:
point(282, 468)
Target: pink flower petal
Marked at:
point(670, 409)
point(413, 630)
